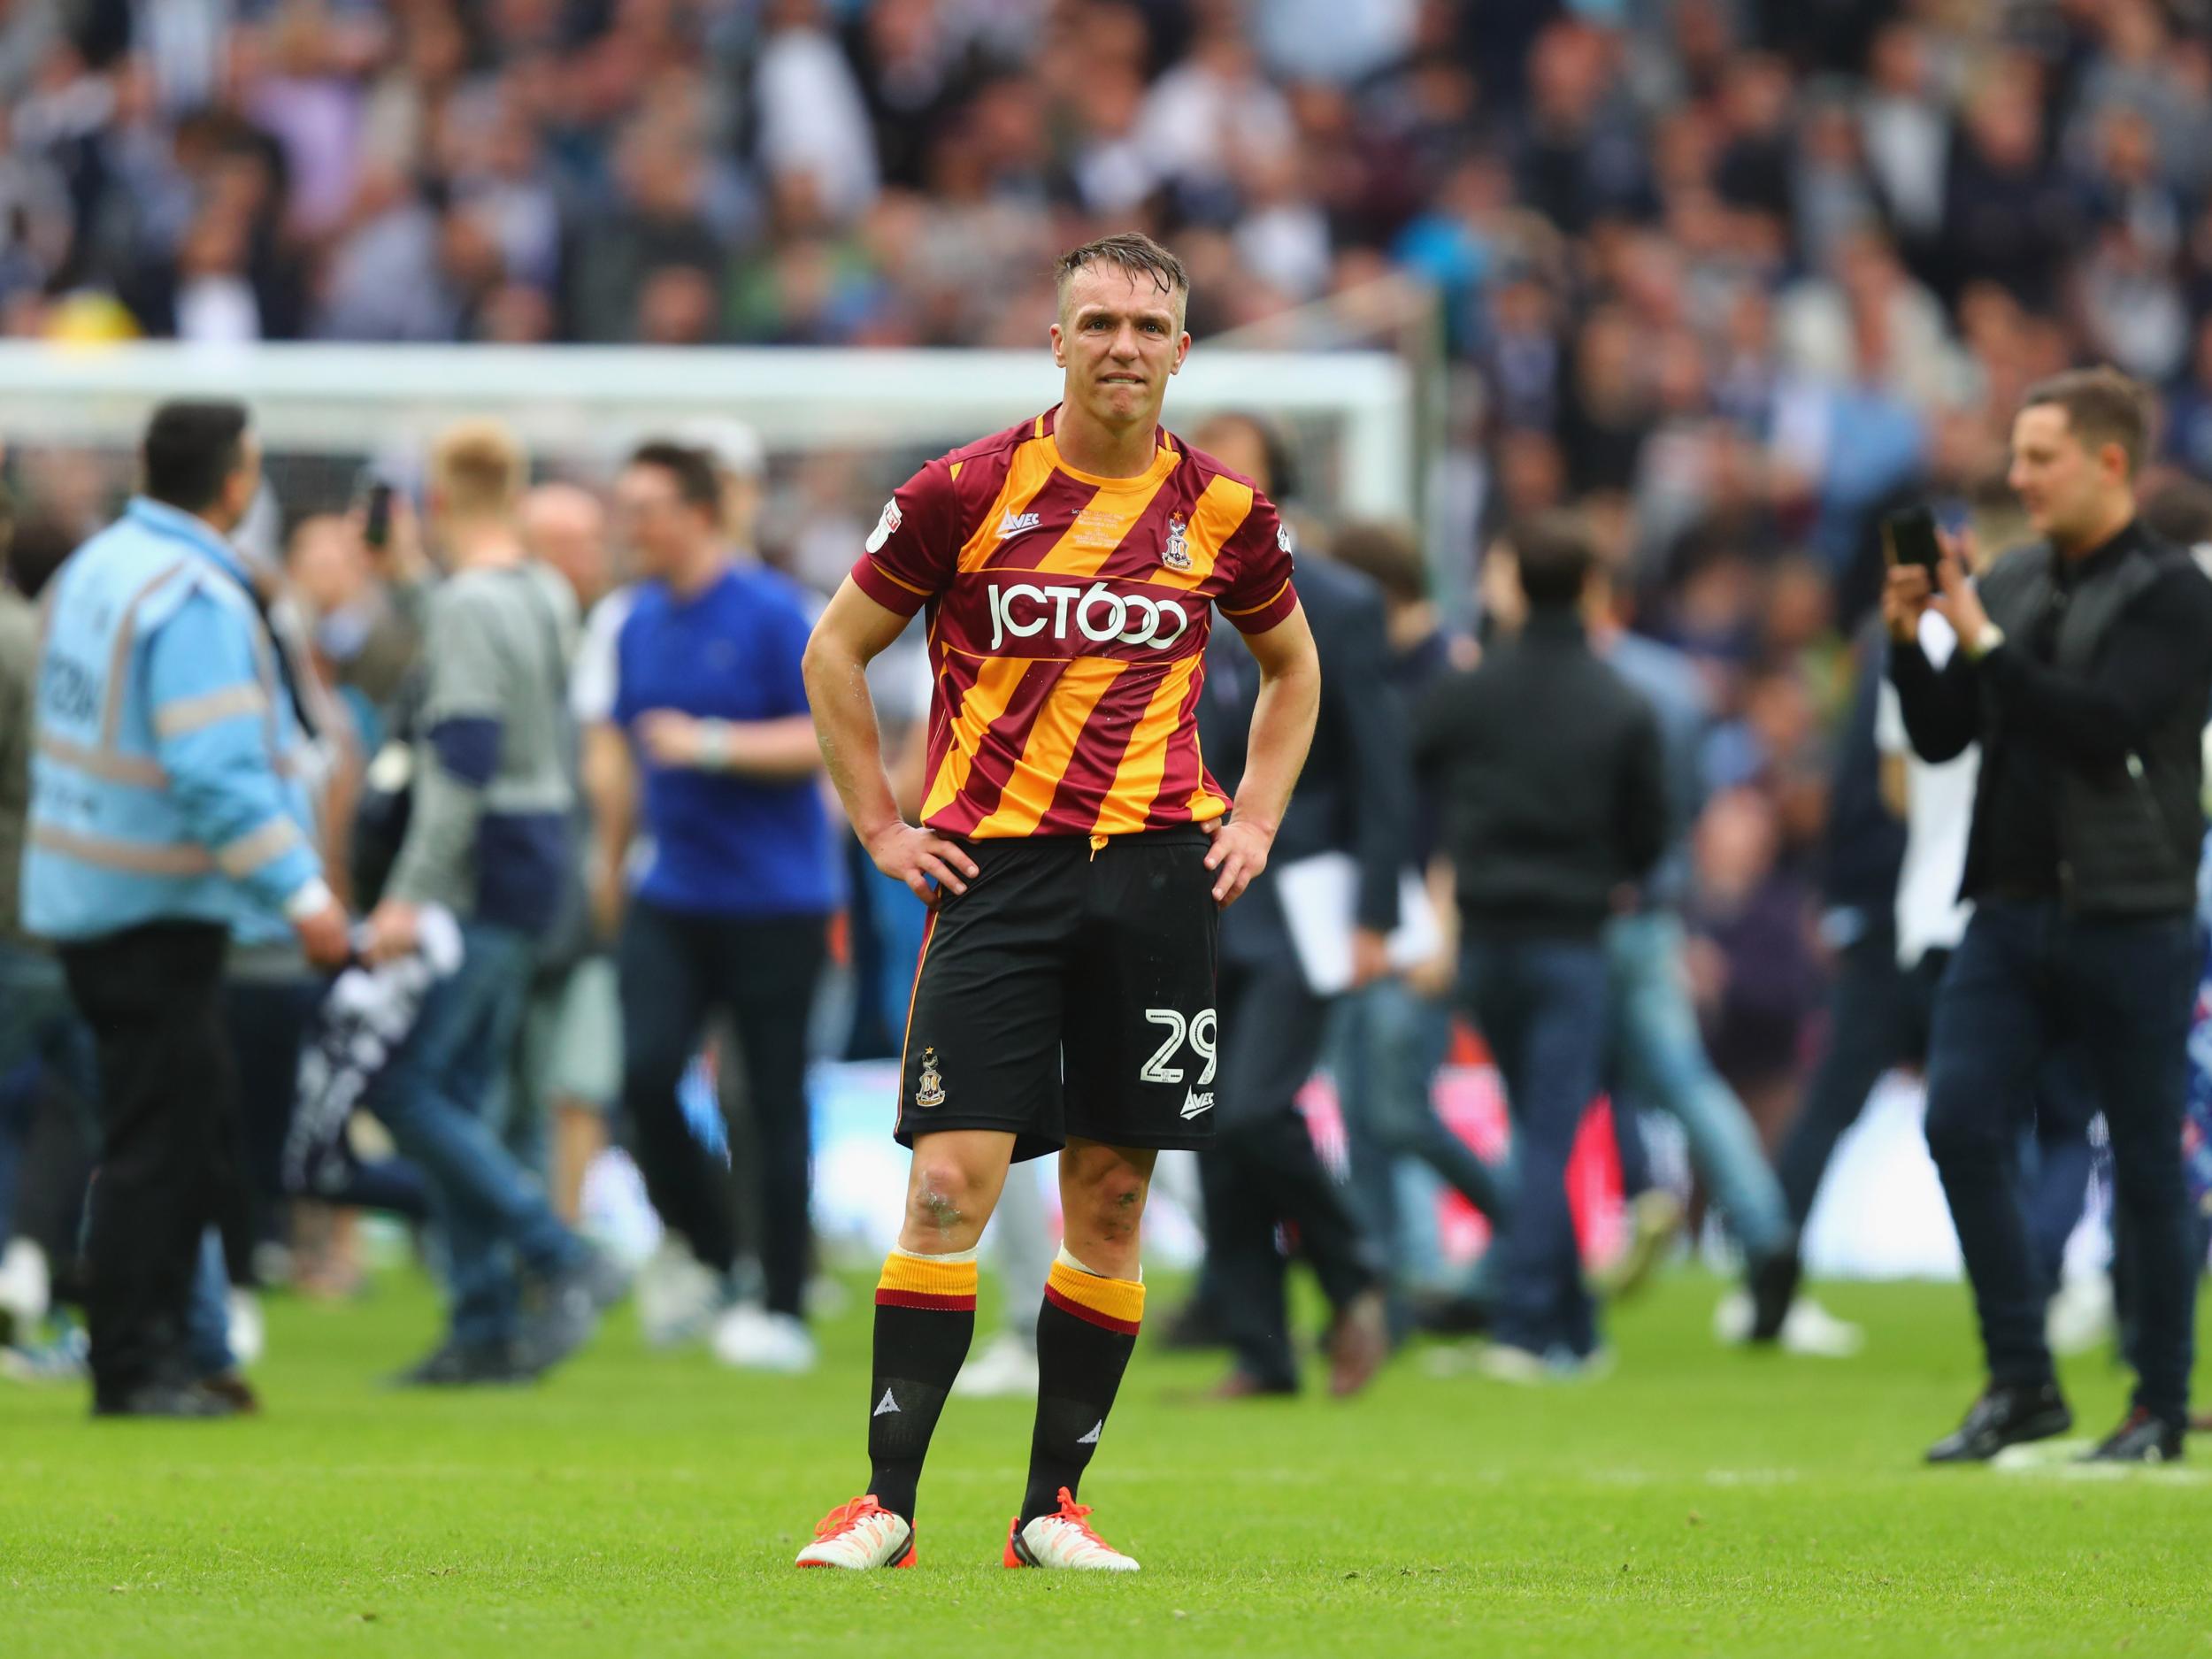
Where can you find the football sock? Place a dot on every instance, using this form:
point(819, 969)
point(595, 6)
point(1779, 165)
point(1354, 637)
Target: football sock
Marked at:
point(925, 1320)
point(1085, 1335)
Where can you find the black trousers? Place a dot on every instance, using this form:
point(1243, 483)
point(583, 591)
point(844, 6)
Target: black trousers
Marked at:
point(169, 1129)
point(1263, 1171)
point(2027, 976)
point(1877, 1018)
point(676, 968)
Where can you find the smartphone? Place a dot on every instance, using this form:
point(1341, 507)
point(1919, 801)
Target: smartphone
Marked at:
point(1909, 537)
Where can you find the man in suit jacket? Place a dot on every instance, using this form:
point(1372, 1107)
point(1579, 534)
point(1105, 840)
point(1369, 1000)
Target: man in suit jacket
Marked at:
point(1353, 796)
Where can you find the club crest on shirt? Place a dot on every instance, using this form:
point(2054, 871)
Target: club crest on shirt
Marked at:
point(1176, 554)
point(1282, 537)
point(886, 526)
point(930, 1090)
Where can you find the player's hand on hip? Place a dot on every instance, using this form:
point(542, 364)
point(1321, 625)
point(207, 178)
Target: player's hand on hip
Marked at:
point(920, 857)
point(1239, 854)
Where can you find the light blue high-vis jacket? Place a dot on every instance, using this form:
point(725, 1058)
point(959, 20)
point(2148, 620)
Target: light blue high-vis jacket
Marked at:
point(169, 771)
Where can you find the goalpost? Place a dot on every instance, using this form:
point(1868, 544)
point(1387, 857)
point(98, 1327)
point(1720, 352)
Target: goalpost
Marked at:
point(324, 410)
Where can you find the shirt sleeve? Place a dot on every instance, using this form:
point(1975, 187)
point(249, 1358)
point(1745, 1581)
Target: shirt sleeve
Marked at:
point(911, 554)
point(1889, 722)
point(1259, 594)
point(594, 677)
point(457, 756)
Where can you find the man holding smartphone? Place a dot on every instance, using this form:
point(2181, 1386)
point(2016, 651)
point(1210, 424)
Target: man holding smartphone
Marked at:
point(2084, 670)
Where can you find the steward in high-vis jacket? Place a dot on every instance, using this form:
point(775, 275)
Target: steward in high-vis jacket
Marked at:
point(168, 809)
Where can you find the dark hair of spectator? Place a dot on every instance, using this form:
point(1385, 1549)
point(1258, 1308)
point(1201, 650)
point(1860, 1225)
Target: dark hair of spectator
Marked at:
point(1387, 554)
point(697, 484)
point(1282, 481)
point(2180, 512)
point(38, 548)
point(1554, 555)
point(2103, 406)
point(1132, 252)
point(191, 449)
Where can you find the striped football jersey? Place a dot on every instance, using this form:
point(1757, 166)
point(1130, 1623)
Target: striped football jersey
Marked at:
point(1068, 617)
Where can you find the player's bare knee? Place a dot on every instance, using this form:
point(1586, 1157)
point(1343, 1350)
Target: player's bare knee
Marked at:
point(1114, 1205)
point(942, 1201)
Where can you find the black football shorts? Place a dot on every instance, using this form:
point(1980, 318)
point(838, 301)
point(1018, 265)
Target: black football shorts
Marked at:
point(1069, 993)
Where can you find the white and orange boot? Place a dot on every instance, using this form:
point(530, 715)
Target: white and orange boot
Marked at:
point(1065, 1539)
point(861, 1534)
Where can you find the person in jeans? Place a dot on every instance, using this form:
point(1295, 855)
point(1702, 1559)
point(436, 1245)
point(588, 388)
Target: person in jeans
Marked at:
point(1554, 796)
point(166, 807)
point(731, 907)
point(1659, 1060)
point(2082, 668)
point(488, 839)
point(1396, 1030)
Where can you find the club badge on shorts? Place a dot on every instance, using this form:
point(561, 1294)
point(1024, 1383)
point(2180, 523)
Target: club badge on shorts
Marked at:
point(930, 1089)
point(1175, 554)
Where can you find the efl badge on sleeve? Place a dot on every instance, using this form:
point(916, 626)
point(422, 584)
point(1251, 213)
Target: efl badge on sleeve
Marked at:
point(930, 1089)
point(1175, 554)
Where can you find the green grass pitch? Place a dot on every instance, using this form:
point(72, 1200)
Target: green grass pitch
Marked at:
point(1696, 1502)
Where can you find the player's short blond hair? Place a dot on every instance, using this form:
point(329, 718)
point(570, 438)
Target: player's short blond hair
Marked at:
point(477, 470)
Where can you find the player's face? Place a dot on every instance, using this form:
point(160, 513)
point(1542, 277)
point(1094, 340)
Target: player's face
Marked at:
point(1119, 338)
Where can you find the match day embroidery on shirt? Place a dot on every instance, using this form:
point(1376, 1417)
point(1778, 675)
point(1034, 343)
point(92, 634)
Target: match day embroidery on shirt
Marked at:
point(1098, 527)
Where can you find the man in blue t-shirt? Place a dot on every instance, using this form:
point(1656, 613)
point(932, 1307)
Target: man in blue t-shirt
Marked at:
point(734, 879)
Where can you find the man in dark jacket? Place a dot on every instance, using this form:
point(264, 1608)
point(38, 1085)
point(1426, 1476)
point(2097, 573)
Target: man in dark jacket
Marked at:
point(1354, 795)
point(1554, 801)
point(2083, 671)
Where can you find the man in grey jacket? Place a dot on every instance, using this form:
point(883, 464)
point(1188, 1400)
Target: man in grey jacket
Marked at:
point(488, 839)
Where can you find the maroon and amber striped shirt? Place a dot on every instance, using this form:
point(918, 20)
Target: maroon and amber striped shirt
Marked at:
point(1068, 617)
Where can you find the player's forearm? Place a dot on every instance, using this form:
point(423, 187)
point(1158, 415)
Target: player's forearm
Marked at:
point(845, 731)
point(1282, 731)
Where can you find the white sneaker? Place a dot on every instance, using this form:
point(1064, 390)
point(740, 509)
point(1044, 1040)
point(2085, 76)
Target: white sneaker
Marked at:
point(1006, 1369)
point(2081, 1315)
point(1731, 1318)
point(1065, 1539)
point(1809, 1328)
point(246, 1330)
point(752, 1339)
point(860, 1535)
point(1502, 1362)
point(676, 1296)
point(25, 1284)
